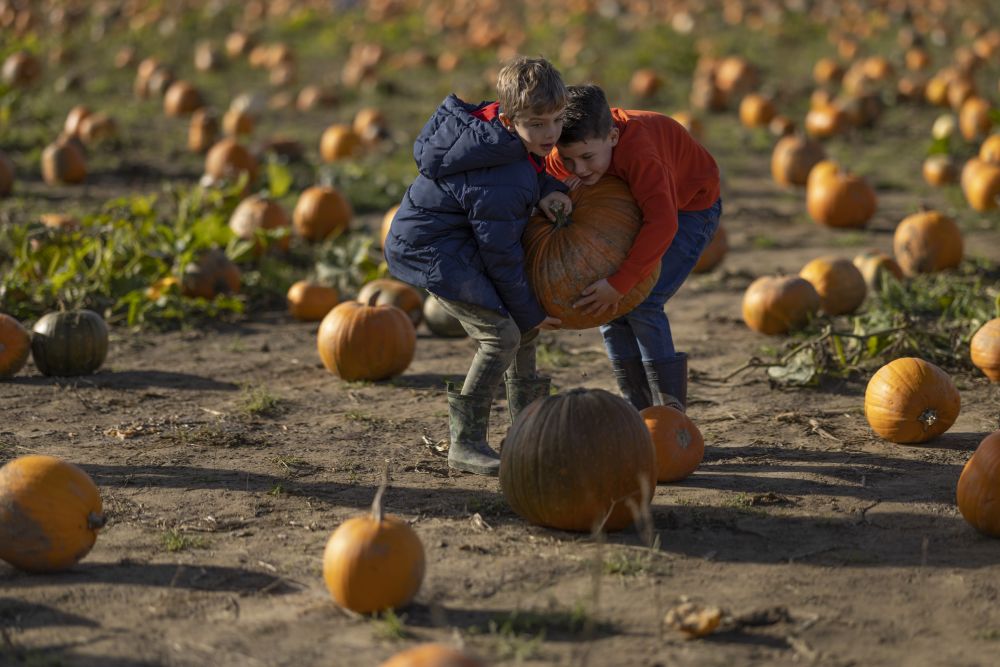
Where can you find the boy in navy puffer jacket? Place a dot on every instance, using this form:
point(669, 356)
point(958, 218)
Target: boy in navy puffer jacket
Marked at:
point(457, 233)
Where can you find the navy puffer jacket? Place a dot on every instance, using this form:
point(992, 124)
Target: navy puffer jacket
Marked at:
point(457, 232)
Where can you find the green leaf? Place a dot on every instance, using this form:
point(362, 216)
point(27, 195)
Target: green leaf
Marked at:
point(279, 179)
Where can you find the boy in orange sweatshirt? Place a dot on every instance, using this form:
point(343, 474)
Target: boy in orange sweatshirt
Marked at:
point(675, 181)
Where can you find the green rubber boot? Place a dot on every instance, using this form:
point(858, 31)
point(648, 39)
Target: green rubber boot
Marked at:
point(468, 424)
point(521, 392)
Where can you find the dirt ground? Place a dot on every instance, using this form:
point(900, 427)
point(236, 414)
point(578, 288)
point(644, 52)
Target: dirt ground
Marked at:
point(219, 512)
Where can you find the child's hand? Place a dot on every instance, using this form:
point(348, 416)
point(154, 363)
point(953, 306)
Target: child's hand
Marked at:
point(572, 182)
point(599, 297)
point(553, 201)
point(550, 323)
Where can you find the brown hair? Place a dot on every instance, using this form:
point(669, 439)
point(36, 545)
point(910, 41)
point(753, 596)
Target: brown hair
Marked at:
point(587, 116)
point(530, 84)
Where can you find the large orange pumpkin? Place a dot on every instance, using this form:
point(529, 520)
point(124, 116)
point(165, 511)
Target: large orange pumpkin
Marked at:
point(50, 512)
point(374, 562)
point(778, 304)
point(978, 492)
point(910, 400)
point(366, 342)
point(431, 655)
point(310, 302)
point(678, 442)
point(321, 211)
point(563, 258)
point(927, 242)
point(984, 348)
point(577, 461)
point(792, 159)
point(388, 291)
point(15, 346)
point(838, 282)
point(339, 142)
point(843, 200)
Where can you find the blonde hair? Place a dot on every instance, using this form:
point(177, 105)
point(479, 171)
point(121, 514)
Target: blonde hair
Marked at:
point(530, 84)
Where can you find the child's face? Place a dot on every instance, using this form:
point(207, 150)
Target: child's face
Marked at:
point(588, 160)
point(538, 131)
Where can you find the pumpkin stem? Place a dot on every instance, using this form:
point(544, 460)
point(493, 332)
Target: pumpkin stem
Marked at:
point(378, 509)
point(562, 220)
point(95, 520)
point(373, 299)
point(928, 417)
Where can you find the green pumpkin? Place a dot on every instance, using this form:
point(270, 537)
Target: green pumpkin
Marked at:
point(69, 343)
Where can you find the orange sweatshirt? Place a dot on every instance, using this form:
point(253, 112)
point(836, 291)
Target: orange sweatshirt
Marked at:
point(667, 171)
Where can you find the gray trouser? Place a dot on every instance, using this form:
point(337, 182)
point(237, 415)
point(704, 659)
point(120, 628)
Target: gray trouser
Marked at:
point(502, 347)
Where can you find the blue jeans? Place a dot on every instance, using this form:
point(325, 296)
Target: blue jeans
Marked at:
point(644, 332)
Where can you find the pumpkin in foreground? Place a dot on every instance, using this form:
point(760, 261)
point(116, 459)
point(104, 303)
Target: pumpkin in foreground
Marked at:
point(50, 511)
point(564, 257)
point(374, 562)
point(978, 491)
point(69, 343)
point(679, 444)
point(910, 400)
point(432, 655)
point(598, 466)
point(360, 341)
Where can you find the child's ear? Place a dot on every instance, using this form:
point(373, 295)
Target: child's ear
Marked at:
point(613, 136)
point(506, 121)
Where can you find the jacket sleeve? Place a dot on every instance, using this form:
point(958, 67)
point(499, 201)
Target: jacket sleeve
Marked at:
point(498, 217)
point(653, 187)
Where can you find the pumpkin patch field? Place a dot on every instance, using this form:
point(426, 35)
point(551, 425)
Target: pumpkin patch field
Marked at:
point(224, 426)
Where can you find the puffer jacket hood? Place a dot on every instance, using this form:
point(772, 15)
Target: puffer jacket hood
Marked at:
point(455, 141)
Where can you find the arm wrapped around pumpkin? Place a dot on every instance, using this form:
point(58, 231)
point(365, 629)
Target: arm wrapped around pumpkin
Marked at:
point(565, 257)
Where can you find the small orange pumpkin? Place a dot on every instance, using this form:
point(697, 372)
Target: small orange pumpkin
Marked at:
point(73, 119)
point(227, 159)
point(237, 121)
point(203, 131)
point(432, 655)
point(15, 346)
point(927, 242)
point(645, 83)
point(910, 400)
point(974, 118)
point(50, 511)
point(310, 302)
point(373, 563)
point(990, 149)
point(984, 348)
point(359, 341)
point(339, 142)
point(756, 110)
point(321, 211)
point(839, 284)
point(981, 184)
point(778, 304)
point(391, 292)
point(940, 170)
point(679, 444)
point(876, 267)
point(714, 252)
point(182, 99)
point(841, 201)
point(63, 162)
point(978, 492)
point(386, 224)
point(257, 214)
point(792, 159)
point(211, 274)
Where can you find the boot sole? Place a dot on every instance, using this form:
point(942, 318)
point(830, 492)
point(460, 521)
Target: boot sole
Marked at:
point(492, 471)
